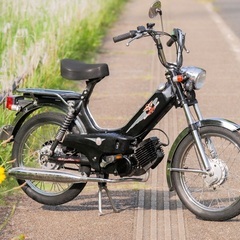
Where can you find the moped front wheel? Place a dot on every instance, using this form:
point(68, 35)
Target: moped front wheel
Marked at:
point(214, 197)
point(32, 140)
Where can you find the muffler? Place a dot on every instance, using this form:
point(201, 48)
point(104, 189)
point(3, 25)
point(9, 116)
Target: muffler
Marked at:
point(46, 175)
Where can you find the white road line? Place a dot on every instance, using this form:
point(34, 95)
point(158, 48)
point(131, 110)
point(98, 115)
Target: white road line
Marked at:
point(140, 216)
point(228, 34)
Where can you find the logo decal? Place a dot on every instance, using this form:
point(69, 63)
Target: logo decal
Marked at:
point(147, 111)
point(150, 107)
point(97, 140)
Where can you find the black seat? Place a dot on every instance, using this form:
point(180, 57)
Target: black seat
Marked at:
point(76, 70)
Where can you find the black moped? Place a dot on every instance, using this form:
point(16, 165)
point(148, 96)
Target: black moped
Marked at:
point(59, 150)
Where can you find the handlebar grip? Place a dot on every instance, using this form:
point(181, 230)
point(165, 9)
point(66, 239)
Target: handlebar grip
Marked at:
point(124, 36)
point(171, 41)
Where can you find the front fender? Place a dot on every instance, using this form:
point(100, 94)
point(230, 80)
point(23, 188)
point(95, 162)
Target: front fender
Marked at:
point(219, 122)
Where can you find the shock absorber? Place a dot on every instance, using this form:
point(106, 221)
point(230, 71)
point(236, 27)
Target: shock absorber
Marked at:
point(66, 123)
point(72, 112)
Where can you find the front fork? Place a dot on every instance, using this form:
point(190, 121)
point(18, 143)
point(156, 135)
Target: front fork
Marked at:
point(194, 129)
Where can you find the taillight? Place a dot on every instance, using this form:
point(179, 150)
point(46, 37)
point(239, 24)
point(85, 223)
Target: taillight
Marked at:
point(12, 103)
point(9, 102)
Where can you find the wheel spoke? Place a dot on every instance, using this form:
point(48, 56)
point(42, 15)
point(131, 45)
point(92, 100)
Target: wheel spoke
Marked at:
point(221, 189)
point(36, 138)
point(31, 149)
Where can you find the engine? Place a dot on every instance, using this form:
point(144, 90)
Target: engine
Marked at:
point(148, 154)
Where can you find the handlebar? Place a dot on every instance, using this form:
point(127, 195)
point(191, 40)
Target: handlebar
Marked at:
point(178, 37)
point(125, 36)
point(173, 39)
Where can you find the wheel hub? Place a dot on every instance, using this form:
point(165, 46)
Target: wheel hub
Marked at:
point(44, 154)
point(218, 175)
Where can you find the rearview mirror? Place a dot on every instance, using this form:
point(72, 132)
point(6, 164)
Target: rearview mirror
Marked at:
point(155, 9)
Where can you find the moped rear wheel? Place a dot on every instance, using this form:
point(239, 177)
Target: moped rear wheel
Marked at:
point(213, 197)
point(32, 139)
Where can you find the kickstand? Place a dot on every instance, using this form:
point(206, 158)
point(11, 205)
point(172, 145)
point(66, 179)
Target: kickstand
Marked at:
point(101, 187)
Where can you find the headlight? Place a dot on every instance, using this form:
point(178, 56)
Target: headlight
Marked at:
point(195, 74)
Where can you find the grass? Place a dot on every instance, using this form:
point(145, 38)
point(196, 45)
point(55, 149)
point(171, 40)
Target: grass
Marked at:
point(35, 35)
point(35, 38)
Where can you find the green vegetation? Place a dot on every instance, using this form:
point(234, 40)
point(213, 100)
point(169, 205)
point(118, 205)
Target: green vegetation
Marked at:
point(35, 35)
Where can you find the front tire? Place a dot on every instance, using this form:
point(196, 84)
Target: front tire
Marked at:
point(34, 137)
point(217, 197)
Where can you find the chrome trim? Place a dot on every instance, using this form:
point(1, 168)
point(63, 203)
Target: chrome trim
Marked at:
point(220, 123)
point(195, 74)
point(46, 92)
point(64, 177)
point(197, 111)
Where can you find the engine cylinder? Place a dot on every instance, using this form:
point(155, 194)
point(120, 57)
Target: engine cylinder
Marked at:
point(149, 153)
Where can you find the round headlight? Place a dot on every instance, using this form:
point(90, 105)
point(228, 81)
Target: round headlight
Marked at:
point(197, 75)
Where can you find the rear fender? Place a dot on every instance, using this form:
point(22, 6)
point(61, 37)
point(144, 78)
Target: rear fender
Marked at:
point(11, 130)
point(203, 123)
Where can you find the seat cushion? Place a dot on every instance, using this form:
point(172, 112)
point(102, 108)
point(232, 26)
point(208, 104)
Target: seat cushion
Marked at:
point(76, 70)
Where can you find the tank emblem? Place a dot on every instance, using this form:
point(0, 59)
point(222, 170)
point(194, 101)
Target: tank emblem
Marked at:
point(147, 111)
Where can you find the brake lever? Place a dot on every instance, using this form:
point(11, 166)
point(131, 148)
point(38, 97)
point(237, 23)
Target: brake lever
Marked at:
point(187, 51)
point(138, 35)
point(184, 46)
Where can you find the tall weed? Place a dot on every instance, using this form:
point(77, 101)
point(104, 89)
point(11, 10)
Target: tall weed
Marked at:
point(35, 35)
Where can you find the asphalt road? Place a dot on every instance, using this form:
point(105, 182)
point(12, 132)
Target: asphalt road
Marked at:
point(229, 10)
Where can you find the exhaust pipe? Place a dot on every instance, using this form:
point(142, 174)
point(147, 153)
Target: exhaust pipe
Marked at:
point(24, 173)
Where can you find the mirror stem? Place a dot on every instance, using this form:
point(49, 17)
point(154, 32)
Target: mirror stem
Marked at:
point(160, 14)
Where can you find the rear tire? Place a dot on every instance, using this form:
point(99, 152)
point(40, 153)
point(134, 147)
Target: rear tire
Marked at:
point(34, 136)
point(217, 197)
